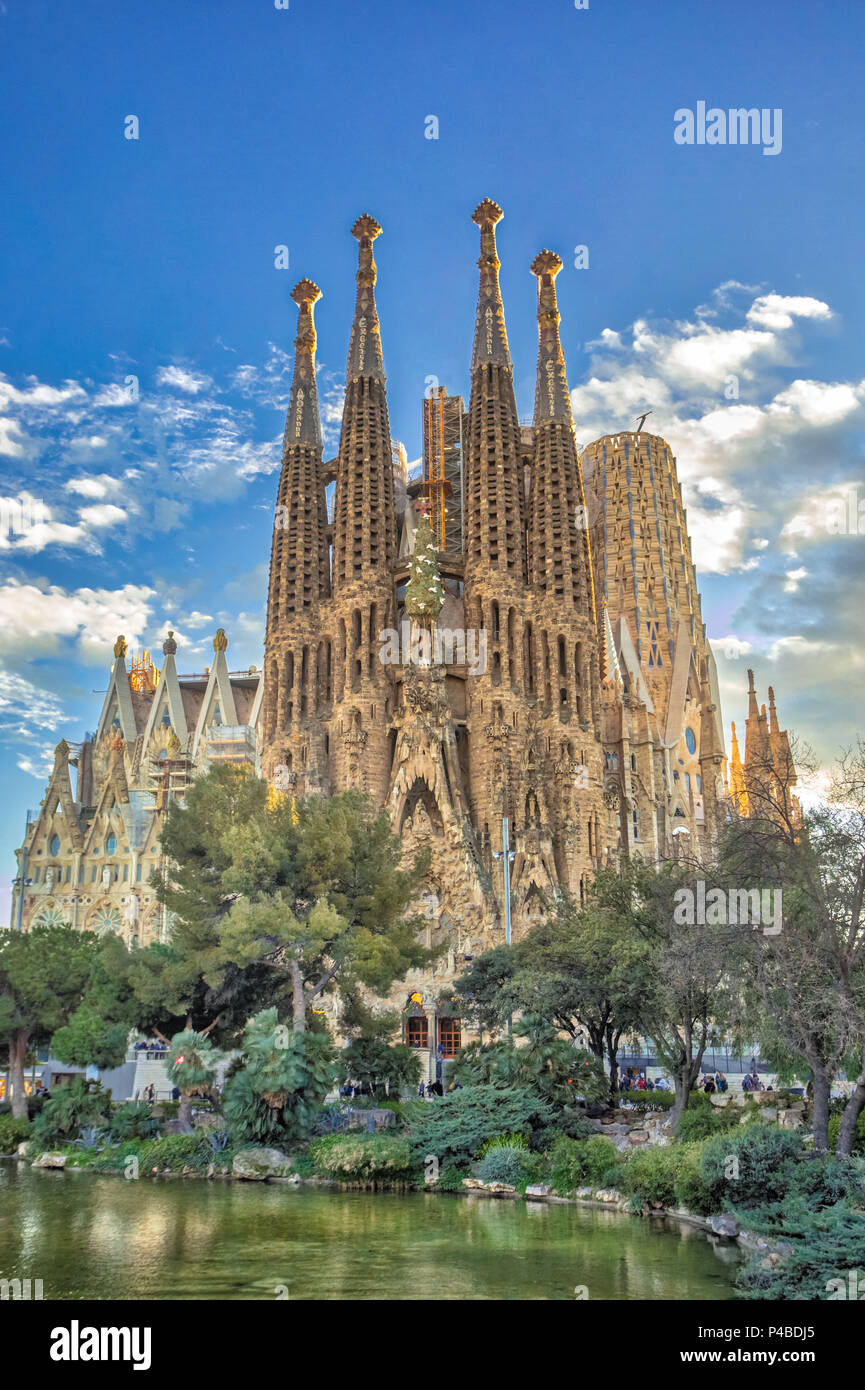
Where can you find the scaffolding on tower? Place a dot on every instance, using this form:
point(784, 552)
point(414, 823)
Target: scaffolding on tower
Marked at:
point(442, 484)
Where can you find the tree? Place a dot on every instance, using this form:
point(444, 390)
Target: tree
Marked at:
point(328, 905)
point(543, 1062)
point(43, 976)
point(486, 989)
point(689, 986)
point(98, 1030)
point(275, 1095)
point(809, 978)
point(586, 970)
point(191, 1066)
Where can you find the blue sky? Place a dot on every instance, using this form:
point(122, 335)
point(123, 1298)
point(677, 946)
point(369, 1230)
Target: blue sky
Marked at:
point(260, 127)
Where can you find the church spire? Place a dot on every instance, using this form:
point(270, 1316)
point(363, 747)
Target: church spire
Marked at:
point(738, 794)
point(302, 424)
point(560, 563)
point(364, 351)
point(552, 401)
point(491, 337)
point(494, 490)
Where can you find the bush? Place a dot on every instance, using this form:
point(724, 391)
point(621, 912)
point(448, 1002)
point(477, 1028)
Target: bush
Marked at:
point(504, 1164)
point(451, 1178)
point(12, 1133)
point(613, 1177)
point(503, 1141)
point(828, 1245)
point(362, 1157)
point(76, 1105)
point(690, 1188)
point(457, 1125)
point(581, 1162)
point(177, 1151)
point(380, 1069)
point(835, 1129)
point(133, 1120)
point(650, 1175)
point(277, 1096)
point(701, 1121)
point(765, 1159)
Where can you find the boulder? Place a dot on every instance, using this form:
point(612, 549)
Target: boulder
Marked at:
point(607, 1194)
point(724, 1225)
point(790, 1119)
point(23, 1149)
point(638, 1136)
point(539, 1189)
point(721, 1100)
point(50, 1161)
point(258, 1164)
point(499, 1189)
point(585, 1192)
point(768, 1113)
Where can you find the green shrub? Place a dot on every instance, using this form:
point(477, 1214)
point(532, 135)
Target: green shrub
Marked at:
point(503, 1165)
point(176, 1151)
point(503, 1141)
point(835, 1130)
point(765, 1157)
point(133, 1120)
point(77, 1104)
point(359, 1157)
point(613, 1177)
point(825, 1247)
point(379, 1068)
point(702, 1121)
point(581, 1162)
point(690, 1188)
point(12, 1133)
point(451, 1177)
point(458, 1124)
point(650, 1175)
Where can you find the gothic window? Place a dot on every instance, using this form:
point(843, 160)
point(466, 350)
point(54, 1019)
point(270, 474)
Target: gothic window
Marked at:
point(54, 845)
point(690, 740)
point(654, 653)
point(111, 844)
point(50, 917)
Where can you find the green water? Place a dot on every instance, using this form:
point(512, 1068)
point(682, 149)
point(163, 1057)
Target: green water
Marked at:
point(88, 1236)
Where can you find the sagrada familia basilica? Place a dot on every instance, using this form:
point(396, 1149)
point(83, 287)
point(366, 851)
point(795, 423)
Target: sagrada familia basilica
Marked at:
point(513, 639)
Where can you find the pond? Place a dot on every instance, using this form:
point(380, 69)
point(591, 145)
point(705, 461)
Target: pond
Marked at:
point(87, 1236)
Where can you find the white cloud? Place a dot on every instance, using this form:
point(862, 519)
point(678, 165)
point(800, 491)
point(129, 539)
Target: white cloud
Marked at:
point(181, 379)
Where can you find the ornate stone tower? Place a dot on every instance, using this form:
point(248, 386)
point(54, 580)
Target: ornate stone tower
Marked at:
point(495, 558)
point(364, 549)
point(297, 661)
point(671, 759)
point(763, 786)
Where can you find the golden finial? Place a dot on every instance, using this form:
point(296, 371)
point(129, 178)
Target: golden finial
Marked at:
point(220, 641)
point(121, 646)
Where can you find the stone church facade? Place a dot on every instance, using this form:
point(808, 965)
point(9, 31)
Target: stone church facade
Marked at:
point(574, 694)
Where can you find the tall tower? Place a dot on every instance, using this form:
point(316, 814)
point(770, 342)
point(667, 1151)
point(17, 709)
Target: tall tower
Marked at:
point(562, 583)
point(641, 553)
point(769, 773)
point(494, 551)
point(364, 547)
point(297, 661)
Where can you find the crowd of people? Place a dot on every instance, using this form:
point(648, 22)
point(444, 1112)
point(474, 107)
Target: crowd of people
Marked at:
point(633, 1079)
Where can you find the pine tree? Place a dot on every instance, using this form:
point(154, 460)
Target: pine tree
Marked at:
point(425, 593)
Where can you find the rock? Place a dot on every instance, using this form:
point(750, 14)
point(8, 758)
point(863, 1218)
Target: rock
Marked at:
point(607, 1194)
point(499, 1189)
point(23, 1149)
point(790, 1119)
point(472, 1184)
point(724, 1225)
point(258, 1164)
point(50, 1161)
point(538, 1190)
point(585, 1192)
point(638, 1136)
point(768, 1113)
